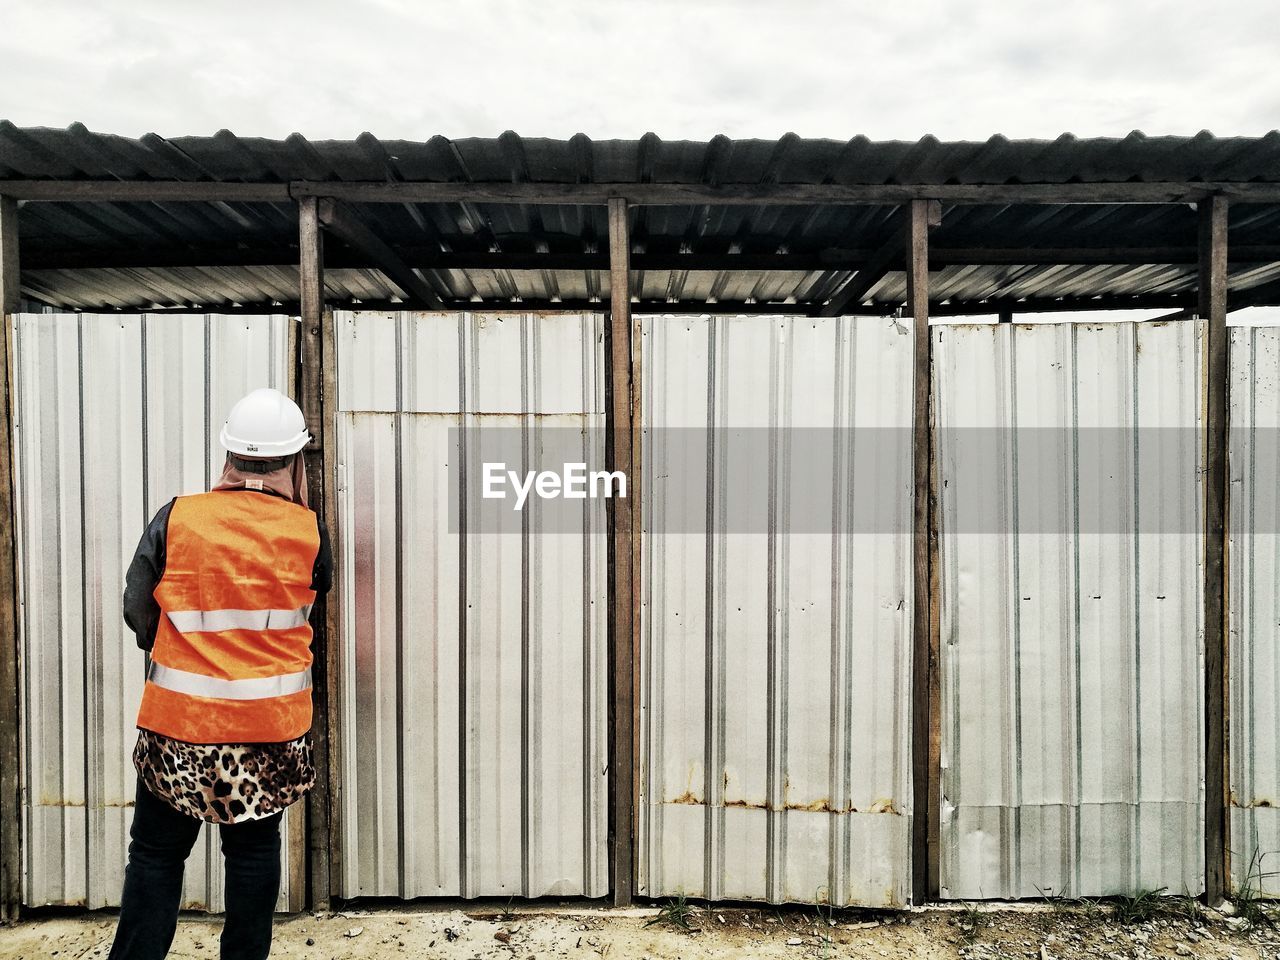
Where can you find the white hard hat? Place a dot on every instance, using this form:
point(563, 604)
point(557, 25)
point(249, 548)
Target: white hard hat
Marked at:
point(265, 423)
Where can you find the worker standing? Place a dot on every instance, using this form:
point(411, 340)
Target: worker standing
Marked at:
point(220, 592)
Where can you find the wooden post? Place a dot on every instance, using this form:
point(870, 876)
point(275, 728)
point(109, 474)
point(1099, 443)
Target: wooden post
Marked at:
point(925, 726)
point(311, 397)
point(622, 621)
point(1213, 310)
point(10, 834)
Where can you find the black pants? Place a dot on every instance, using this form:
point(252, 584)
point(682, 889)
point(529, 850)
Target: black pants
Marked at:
point(160, 840)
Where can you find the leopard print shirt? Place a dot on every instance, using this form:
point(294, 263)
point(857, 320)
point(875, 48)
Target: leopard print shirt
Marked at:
point(225, 783)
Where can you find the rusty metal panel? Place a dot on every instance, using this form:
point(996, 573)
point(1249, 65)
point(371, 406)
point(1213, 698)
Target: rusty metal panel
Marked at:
point(473, 704)
point(114, 415)
point(1071, 608)
point(776, 627)
point(1253, 556)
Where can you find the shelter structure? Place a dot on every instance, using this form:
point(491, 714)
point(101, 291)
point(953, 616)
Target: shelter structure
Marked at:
point(817, 228)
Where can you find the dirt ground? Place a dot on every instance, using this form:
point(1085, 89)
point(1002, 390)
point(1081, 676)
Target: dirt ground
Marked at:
point(1055, 932)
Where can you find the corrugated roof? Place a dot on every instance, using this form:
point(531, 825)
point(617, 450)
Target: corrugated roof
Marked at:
point(129, 254)
point(76, 152)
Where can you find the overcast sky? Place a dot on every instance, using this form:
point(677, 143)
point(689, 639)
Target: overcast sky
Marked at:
point(680, 68)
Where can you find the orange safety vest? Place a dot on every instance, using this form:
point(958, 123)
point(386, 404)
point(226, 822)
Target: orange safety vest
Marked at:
point(232, 656)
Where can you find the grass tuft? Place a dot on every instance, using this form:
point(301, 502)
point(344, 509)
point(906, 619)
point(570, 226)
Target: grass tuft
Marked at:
point(972, 922)
point(676, 912)
point(1140, 908)
point(1249, 902)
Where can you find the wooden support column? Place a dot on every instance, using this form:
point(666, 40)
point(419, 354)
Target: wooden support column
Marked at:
point(623, 548)
point(925, 721)
point(10, 839)
point(311, 397)
point(1213, 310)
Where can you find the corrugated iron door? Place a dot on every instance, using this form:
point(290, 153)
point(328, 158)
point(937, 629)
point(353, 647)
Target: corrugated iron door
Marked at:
point(114, 415)
point(1253, 554)
point(776, 609)
point(1071, 500)
point(473, 699)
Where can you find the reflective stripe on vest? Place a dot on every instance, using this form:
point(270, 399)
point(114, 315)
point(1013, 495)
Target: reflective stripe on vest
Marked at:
point(215, 621)
point(255, 688)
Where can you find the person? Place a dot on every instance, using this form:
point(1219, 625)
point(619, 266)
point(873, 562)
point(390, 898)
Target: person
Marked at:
point(220, 592)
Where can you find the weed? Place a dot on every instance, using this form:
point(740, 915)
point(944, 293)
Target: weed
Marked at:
point(822, 904)
point(1058, 902)
point(675, 913)
point(1249, 899)
point(506, 913)
point(826, 947)
point(1186, 908)
point(972, 920)
point(1139, 908)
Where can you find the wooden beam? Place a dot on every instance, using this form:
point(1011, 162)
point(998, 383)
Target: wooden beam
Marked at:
point(10, 272)
point(855, 291)
point(1212, 291)
point(322, 834)
point(10, 721)
point(1105, 302)
point(348, 226)
point(1137, 256)
point(678, 194)
point(925, 726)
point(328, 509)
point(145, 191)
point(424, 258)
point(295, 815)
point(636, 194)
point(618, 390)
point(1268, 295)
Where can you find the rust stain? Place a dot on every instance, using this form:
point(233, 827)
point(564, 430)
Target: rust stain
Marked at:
point(1258, 803)
point(79, 804)
point(821, 805)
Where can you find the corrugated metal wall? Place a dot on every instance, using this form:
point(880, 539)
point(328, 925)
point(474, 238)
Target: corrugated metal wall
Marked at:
point(474, 699)
point(775, 697)
point(1253, 557)
point(1072, 681)
point(114, 415)
point(775, 726)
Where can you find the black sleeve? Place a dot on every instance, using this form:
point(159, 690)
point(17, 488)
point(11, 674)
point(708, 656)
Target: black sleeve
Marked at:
point(141, 612)
point(322, 572)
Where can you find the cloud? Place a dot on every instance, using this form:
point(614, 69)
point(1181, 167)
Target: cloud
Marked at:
point(681, 68)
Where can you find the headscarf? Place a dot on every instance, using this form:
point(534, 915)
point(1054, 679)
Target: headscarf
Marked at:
point(289, 481)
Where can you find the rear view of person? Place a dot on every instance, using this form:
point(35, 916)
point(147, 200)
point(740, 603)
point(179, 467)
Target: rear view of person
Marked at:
point(220, 591)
